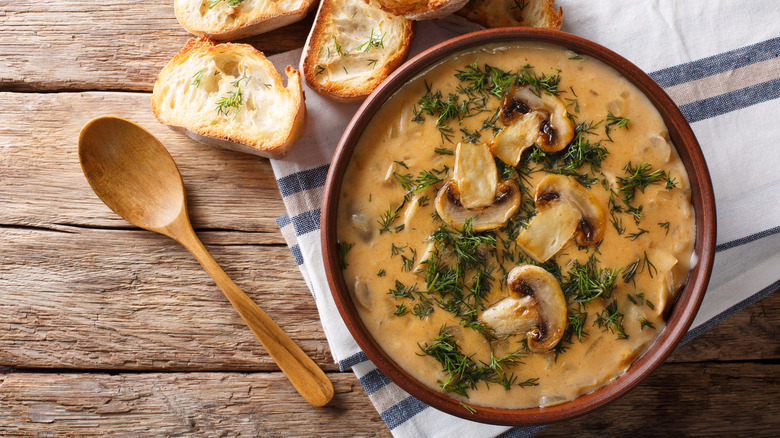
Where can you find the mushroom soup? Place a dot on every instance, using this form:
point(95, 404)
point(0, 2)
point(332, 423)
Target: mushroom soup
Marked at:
point(513, 225)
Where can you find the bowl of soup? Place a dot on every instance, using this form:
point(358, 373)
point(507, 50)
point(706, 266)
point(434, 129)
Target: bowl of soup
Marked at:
point(518, 226)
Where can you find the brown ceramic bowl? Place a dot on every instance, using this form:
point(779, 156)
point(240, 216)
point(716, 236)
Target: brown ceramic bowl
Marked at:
point(684, 309)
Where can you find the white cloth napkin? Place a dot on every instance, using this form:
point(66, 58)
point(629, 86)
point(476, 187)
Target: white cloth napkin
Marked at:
point(718, 60)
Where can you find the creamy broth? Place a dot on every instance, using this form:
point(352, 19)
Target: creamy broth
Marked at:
point(647, 253)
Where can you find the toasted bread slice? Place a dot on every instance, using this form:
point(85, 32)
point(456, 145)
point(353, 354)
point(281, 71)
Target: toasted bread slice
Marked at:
point(352, 47)
point(235, 19)
point(511, 13)
point(422, 9)
point(230, 95)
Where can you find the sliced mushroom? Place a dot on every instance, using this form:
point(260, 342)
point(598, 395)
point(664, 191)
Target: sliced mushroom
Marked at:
point(504, 205)
point(535, 306)
point(475, 192)
point(475, 174)
point(553, 133)
point(523, 133)
point(564, 209)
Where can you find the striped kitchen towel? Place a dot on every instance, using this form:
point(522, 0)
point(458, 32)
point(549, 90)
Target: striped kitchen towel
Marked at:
point(718, 60)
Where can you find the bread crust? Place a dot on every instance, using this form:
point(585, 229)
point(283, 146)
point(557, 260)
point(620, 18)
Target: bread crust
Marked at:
point(507, 13)
point(422, 9)
point(200, 120)
point(224, 23)
point(331, 50)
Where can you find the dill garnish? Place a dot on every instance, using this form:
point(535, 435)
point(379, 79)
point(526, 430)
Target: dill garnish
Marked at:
point(617, 122)
point(645, 323)
point(374, 42)
point(665, 226)
point(588, 282)
point(611, 320)
point(463, 373)
point(231, 3)
point(634, 236)
point(400, 310)
point(389, 216)
point(234, 99)
point(197, 77)
point(343, 250)
point(639, 177)
point(630, 272)
point(468, 408)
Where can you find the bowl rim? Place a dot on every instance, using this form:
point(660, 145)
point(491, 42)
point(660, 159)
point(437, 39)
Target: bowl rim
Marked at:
point(685, 306)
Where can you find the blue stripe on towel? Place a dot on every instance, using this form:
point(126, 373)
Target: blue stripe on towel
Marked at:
point(353, 360)
point(306, 222)
point(374, 381)
point(297, 254)
point(521, 432)
point(303, 180)
point(283, 220)
point(402, 411)
point(749, 239)
point(732, 101)
point(720, 63)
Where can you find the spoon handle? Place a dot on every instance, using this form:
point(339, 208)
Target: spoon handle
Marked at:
point(310, 381)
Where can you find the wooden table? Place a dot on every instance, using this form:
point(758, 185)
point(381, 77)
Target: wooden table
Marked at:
point(108, 329)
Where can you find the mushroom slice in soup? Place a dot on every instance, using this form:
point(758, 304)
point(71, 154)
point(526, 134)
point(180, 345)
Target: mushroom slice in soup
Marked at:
point(555, 131)
point(509, 144)
point(564, 209)
point(475, 192)
point(475, 174)
point(535, 307)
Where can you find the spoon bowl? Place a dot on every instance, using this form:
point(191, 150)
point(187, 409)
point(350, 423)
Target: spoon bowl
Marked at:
point(132, 173)
point(136, 177)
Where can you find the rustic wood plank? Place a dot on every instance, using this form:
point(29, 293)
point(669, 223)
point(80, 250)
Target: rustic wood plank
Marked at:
point(41, 183)
point(712, 400)
point(199, 404)
point(677, 400)
point(124, 299)
point(83, 45)
point(114, 299)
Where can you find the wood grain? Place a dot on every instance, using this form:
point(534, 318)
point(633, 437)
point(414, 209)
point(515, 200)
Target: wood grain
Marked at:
point(176, 404)
point(80, 45)
point(113, 299)
point(709, 400)
point(43, 186)
point(677, 400)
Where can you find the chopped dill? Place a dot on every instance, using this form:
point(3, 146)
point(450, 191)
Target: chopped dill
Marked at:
point(645, 323)
point(588, 282)
point(196, 78)
point(234, 99)
point(468, 408)
point(639, 177)
point(630, 272)
point(665, 226)
point(343, 251)
point(395, 250)
point(611, 320)
point(400, 310)
point(381, 273)
point(444, 151)
point(634, 236)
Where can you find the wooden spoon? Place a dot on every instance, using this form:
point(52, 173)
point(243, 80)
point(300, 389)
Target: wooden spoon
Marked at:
point(133, 173)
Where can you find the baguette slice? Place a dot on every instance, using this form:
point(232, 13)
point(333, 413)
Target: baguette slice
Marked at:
point(511, 13)
point(422, 9)
point(235, 19)
point(352, 47)
point(230, 95)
